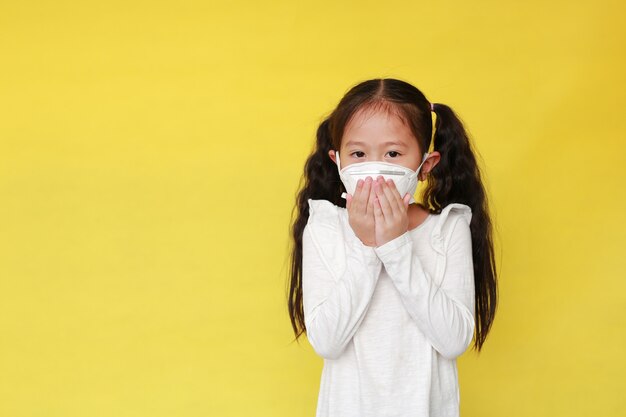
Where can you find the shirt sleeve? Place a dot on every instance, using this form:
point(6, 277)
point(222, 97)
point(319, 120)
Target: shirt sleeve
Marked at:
point(443, 313)
point(335, 302)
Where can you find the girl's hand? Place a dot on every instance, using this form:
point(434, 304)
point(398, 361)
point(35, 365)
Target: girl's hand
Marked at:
point(361, 211)
point(390, 211)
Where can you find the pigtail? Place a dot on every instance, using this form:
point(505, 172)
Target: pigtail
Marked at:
point(321, 182)
point(457, 179)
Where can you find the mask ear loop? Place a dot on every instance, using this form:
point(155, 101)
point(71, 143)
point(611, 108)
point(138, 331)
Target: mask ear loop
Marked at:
point(417, 171)
point(343, 195)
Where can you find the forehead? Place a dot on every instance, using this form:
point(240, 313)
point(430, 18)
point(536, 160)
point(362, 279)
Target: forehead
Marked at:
point(379, 125)
point(377, 110)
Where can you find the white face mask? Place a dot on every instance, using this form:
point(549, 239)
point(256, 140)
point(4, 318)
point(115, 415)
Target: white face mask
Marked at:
point(404, 178)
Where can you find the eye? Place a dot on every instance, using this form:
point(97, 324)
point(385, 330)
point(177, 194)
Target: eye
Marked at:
point(355, 153)
point(393, 152)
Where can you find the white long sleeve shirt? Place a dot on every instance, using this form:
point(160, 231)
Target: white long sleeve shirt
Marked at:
point(389, 321)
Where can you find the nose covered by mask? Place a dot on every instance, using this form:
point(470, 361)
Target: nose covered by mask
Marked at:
point(404, 178)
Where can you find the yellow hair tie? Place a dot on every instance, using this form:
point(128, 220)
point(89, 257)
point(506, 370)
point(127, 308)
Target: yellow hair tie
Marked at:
point(432, 138)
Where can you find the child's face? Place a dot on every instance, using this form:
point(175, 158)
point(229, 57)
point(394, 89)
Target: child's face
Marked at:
point(379, 136)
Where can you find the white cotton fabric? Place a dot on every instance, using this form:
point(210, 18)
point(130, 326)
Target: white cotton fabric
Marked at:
point(389, 321)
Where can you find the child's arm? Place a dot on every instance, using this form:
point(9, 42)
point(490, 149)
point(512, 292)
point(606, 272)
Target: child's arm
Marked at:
point(334, 306)
point(443, 313)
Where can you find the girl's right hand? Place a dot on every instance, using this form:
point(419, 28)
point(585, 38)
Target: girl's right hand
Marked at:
point(361, 211)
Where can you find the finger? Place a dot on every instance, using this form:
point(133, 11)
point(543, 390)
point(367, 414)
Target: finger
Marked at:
point(357, 195)
point(371, 197)
point(348, 200)
point(378, 213)
point(382, 198)
point(406, 200)
point(365, 195)
point(394, 197)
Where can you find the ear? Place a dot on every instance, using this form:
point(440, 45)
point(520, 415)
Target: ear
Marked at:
point(433, 159)
point(331, 153)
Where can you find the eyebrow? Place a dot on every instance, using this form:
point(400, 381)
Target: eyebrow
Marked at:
point(358, 143)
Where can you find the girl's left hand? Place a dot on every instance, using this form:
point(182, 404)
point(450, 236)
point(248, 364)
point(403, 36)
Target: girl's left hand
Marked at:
point(390, 211)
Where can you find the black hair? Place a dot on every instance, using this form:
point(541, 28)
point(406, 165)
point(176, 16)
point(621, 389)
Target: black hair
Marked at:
point(455, 179)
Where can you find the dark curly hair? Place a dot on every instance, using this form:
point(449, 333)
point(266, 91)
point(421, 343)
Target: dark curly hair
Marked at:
point(455, 179)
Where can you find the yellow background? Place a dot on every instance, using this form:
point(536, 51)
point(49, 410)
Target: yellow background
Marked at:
point(149, 157)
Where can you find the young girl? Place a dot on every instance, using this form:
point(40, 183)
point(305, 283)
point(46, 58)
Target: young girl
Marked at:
point(390, 291)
